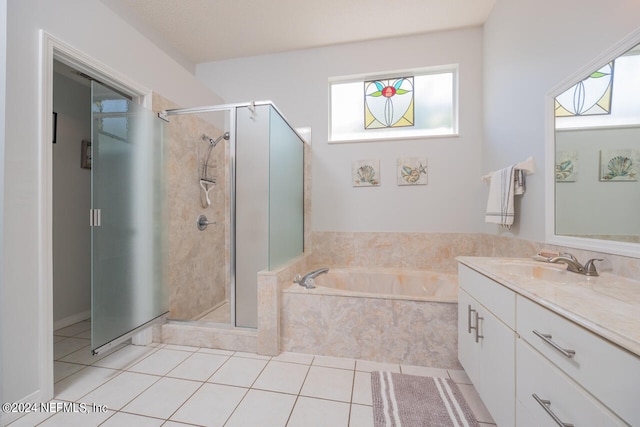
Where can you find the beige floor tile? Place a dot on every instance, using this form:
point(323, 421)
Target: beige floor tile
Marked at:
point(121, 390)
point(370, 366)
point(211, 405)
point(334, 362)
point(198, 366)
point(361, 416)
point(76, 419)
point(328, 383)
point(262, 408)
point(362, 388)
point(424, 371)
point(282, 377)
point(68, 346)
point(82, 382)
point(161, 362)
point(163, 398)
point(126, 357)
point(121, 419)
point(238, 371)
point(301, 358)
point(310, 412)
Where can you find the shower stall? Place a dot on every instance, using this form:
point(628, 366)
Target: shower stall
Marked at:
point(235, 206)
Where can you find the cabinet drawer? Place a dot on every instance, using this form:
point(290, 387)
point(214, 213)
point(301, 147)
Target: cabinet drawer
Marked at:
point(608, 372)
point(565, 399)
point(498, 299)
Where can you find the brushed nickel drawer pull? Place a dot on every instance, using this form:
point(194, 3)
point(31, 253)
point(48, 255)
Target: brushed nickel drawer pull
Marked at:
point(469, 311)
point(478, 319)
point(547, 338)
point(546, 405)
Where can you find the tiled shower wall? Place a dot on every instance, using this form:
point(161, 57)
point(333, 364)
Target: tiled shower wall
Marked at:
point(197, 261)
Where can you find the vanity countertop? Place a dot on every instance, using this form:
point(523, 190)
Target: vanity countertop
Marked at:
point(608, 305)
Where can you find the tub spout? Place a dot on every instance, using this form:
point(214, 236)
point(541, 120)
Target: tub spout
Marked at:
point(307, 280)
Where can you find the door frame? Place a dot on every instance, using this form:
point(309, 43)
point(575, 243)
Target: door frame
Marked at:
point(52, 48)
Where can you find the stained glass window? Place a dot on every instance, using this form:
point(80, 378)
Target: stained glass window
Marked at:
point(388, 103)
point(412, 104)
point(591, 96)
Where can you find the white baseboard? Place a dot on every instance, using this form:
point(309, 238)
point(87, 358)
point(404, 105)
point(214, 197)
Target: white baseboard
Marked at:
point(70, 320)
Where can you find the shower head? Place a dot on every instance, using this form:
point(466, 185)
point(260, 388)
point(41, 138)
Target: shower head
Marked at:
point(214, 142)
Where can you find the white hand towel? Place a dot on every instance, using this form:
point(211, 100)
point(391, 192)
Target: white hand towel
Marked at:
point(501, 194)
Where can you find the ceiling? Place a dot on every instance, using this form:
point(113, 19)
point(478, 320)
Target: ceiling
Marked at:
point(196, 31)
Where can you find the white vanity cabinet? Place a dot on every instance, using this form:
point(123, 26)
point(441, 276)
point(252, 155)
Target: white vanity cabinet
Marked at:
point(486, 340)
point(534, 354)
point(577, 371)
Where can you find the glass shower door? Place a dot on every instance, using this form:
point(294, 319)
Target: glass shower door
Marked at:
point(125, 157)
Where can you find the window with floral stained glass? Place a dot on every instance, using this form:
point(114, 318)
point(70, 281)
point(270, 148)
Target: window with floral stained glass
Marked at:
point(405, 104)
point(388, 103)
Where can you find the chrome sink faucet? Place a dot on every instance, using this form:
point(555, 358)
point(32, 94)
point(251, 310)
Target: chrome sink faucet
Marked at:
point(588, 269)
point(307, 280)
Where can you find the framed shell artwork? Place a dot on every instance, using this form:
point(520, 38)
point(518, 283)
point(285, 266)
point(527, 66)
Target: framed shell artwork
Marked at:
point(365, 173)
point(619, 165)
point(566, 166)
point(412, 171)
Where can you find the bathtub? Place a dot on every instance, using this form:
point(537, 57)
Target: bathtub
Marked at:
point(397, 283)
point(405, 316)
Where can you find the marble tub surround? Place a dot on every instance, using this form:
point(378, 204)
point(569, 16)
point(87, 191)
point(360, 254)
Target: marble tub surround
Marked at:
point(270, 286)
point(433, 251)
point(197, 263)
point(399, 283)
point(437, 251)
point(384, 330)
point(607, 305)
point(199, 335)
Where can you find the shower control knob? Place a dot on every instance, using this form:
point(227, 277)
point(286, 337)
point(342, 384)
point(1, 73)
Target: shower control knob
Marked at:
point(203, 222)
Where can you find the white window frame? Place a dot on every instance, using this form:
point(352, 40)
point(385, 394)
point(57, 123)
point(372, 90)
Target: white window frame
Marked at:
point(397, 133)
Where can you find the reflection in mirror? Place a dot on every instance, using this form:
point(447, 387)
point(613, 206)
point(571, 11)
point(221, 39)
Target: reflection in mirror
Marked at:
point(597, 153)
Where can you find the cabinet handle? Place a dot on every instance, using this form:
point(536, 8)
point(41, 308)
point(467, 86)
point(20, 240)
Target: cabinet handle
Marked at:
point(469, 311)
point(546, 405)
point(478, 319)
point(547, 338)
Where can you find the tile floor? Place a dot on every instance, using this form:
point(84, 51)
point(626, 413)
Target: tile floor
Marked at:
point(168, 385)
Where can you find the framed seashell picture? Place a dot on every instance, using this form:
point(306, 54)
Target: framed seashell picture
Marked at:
point(619, 165)
point(566, 166)
point(365, 173)
point(412, 171)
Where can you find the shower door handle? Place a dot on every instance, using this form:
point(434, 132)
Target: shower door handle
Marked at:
point(94, 217)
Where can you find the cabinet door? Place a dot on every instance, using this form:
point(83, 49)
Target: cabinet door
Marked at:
point(467, 347)
point(496, 383)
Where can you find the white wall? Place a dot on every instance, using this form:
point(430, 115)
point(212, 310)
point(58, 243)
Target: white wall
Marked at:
point(530, 47)
point(297, 82)
point(95, 30)
point(71, 201)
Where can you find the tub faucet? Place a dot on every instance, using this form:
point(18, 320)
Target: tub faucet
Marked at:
point(588, 269)
point(307, 280)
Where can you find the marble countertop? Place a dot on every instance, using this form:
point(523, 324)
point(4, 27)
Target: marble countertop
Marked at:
point(608, 305)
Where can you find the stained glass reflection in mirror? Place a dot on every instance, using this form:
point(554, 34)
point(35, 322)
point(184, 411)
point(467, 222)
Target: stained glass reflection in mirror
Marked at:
point(591, 96)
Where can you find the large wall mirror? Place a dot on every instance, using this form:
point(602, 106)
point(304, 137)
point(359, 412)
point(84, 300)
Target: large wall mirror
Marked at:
point(596, 157)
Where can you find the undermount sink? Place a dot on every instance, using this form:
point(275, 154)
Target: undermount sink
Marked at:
point(525, 268)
